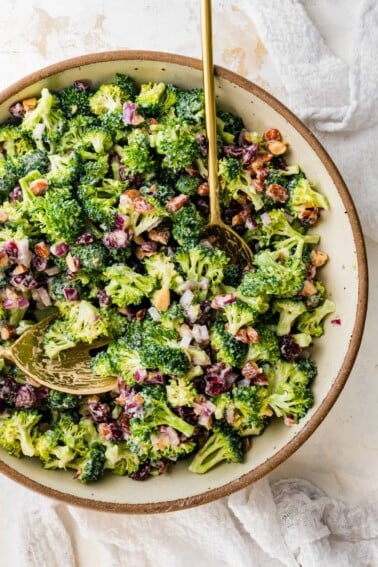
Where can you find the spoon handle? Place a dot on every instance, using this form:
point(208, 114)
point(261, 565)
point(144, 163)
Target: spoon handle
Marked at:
point(211, 127)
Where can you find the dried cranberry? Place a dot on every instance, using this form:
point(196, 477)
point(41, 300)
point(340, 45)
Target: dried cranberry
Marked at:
point(16, 194)
point(11, 249)
point(289, 348)
point(143, 472)
point(99, 411)
point(103, 298)
point(203, 206)
point(203, 143)
point(111, 431)
point(250, 152)
point(119, 221)
point(23, 281)
point(8, 389)
point(82, 85)
point(86, 238)
point(205, 312)
point(26, 397)
point(187, 414)
point(39, 264)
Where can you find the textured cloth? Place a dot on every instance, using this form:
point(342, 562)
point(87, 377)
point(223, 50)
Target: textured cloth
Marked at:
point(288, 523)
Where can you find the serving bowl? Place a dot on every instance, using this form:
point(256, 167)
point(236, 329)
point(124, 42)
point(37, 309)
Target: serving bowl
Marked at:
point(345, 276)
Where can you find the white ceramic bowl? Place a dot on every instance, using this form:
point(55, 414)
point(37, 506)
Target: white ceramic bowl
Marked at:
point(345, 276)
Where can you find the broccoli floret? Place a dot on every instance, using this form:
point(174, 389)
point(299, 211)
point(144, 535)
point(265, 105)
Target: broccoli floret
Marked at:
point(223, 445)
point(267, 348)
point(120, 459)
point(227, 348)
point(125, 286)
point(162, 193)
point(303, 197)
point(57, 338)
point(187, 184)
point(46, 122)
point(99, 201)
point(52, 452)
point(233, 180)
point(282, 277)
point(187, 225)
point(107, 98)
point(289, 393)
point(311, 322)
point(177, 142)
point(198, 262)
point(313, 301)
point(115, 323)
point(166, 356)
point(97, 140)
point(95, 170)
point(136, 156)
point(161, 268)
point(74, 101)
point(62, 401)
point(63, 169)
point(245, 409)
point(289, 310)
point(91, 467)
point(228, 125)
point(73, 136)
point(302, 339)
point(59, 283)
point(166, 445)
point(18, 433)
point(259, 303)
point(239, 314)
point(92, 257)
point(83, 320)
point(151, 98)
point(181, 392)
point(14, 142)
point(102, 365)
point(127, 85)
point(33, 160)
point(233, 275)
point(190, 105)
point(173, 317)
point(8, 176)
point(155, 411)
point(143, 221)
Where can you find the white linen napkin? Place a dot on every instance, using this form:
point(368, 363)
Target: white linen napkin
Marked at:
point(287, 522)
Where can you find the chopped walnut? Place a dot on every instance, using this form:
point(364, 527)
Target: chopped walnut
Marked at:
point(247, 335)
point(39, 187)
point(308, 289)
point(203, 189)
point(277, 193)
point(318, 258)
point(160, 234)
point(42, 250)
point(176, 203)
point(251, 370)
point(142, 205)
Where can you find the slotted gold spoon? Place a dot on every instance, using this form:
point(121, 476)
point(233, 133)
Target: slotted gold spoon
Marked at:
point(70, 373)
point(221, 235)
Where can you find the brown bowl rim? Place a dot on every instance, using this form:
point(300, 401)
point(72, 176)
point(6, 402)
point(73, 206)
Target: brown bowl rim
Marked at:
point(355, 341)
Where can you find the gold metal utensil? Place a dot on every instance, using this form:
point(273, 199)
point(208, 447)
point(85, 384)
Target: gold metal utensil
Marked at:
point(217, 231)
point(70, 373)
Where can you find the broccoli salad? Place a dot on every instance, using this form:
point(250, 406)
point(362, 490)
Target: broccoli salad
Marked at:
point(104, 197)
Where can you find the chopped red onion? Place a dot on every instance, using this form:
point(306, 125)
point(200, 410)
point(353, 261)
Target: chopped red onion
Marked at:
point(39, 264)
point(265, 218)
point(336, 322)
point(186, 339)
point(154, 377)
point(116, 239)
point(193, 313)
point(187, 298)
point(103, 298)
point(223, 299)
point(24, 254)
point(289, 420)
point(250, 223)
point(11, 249)
point(200, 334)
point(59, 249)
point(71, 294)
point(10, 303)
point(140, 375)
point(188, 284)
point(204, 283)
point(23, 303)
point(130, 115)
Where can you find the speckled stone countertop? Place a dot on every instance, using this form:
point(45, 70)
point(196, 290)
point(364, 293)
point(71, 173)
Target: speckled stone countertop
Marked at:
point(342, 455)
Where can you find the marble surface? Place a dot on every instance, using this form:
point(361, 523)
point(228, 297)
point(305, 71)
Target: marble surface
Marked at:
point(342, 455)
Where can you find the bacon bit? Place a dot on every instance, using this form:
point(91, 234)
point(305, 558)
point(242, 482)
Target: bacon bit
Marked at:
point(142, 206)
point(277, 193)
point(42, 250)
point(251, 370)
point(159, 234)
point(247, 335)
point(176, 203)
point(336, 322)
point(272, 134)
point(145, 250)
point(29, 104)
point(308, 289)
point(203, 189)
point(318, 258)
point(39, 187)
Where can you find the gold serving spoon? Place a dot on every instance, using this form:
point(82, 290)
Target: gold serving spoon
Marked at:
point(71, 373)
point(221, 235)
